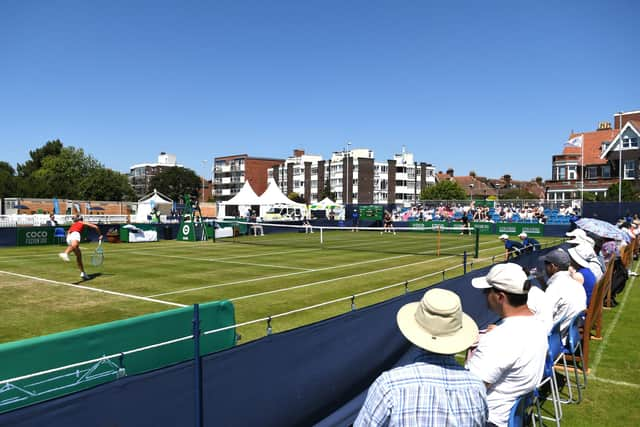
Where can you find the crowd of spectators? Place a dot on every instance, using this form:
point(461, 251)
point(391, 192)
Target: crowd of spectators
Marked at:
point(501, 212)
point(508, 357)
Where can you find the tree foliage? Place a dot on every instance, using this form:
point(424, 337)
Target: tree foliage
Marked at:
point(8, 180)
point(67, 172)
point(444, 190)
point(326, 192)
point(628, 192)
point(175, 182)
point(517, 193)
point(298, 198)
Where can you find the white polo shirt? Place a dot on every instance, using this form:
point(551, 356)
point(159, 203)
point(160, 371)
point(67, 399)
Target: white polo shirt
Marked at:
point(565, 298)
point(511, 359)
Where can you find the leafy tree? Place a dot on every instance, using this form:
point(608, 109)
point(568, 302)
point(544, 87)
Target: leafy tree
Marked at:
point(51, 148)
point(628, 192)
point(296, 197)
point(106, 184)
point(61, 175)
point(444, 190)
point(176, 181)
point(517, 193)
point(8, 180)
point(589, 196)
point(326, 192)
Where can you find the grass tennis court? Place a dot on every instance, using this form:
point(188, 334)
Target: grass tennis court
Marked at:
point(285, 272)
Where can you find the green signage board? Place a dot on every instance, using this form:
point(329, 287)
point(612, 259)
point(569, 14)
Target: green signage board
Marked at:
point(515, 228)
point(483, 227)
point(371, 212)
point(33, 236)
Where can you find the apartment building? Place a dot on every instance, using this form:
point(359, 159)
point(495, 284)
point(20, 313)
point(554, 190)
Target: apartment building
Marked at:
point(231, 172)
point(140, 175)
point(354, 177)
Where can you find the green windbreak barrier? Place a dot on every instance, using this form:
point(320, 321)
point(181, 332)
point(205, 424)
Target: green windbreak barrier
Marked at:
point(124, 232)
point(483, 227)
point(515, 228)
point(48, 352)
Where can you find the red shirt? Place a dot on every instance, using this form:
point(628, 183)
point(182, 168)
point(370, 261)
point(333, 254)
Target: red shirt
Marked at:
point(76, 226)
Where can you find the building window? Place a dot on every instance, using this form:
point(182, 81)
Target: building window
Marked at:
point(629, 169)
point(592, 172)
point(562, 173)
point(572, 172)
point(606, 171)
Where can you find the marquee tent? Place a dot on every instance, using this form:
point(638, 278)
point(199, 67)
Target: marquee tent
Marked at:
point(274, 196)
point(153, 200)
point(245, 198)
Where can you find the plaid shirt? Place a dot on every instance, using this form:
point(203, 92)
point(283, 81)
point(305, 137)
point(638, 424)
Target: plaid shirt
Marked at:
point(433, 391)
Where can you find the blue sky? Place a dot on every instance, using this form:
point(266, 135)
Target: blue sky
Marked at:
point(490, 86)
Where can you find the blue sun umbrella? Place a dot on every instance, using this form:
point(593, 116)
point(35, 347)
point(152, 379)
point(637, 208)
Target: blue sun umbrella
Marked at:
point(602, 229)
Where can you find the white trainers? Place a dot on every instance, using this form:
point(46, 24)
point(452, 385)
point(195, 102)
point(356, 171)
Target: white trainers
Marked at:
point(64, 256)
point(84, 276)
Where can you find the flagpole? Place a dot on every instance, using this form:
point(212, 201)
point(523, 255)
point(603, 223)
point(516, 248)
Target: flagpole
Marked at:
point(582, 177)
point(619, 161)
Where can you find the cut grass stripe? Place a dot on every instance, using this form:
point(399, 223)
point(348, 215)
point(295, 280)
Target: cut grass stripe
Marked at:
point(88, 288)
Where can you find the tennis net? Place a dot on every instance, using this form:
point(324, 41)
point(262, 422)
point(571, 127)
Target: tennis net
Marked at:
point(399, 240)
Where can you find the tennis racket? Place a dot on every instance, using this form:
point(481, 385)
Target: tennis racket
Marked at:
point(97, 258)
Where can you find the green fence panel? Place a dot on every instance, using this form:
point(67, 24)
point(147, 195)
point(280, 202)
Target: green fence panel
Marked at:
point(483, 227)
point(33, 355)
point(510, 228)
point(532, 229)
point(33, 236)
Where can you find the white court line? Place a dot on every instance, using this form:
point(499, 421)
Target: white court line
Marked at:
point(297, 273)
point(88, 288)
point(224, 262)
point(607, 334)
point(277, 276)
point(608, 381)
point(275, 291)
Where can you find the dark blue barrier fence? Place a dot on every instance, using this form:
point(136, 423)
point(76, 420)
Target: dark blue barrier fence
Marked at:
point(610, 211)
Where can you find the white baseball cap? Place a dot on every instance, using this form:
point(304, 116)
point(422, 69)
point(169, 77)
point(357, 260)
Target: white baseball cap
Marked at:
point(507, 277)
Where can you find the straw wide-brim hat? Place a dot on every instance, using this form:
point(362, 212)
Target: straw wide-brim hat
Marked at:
point(437, 324)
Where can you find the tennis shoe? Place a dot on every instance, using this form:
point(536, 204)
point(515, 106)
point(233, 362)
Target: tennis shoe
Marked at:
point(84, 276)
point(64, 256)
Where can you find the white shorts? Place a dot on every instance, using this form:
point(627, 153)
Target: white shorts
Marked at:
point(73, 236)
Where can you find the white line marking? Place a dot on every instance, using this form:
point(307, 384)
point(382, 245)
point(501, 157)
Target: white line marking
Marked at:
point(333, 279)
point(607, 334)
point(277, 276)
point(88, 288)
point(608, 381)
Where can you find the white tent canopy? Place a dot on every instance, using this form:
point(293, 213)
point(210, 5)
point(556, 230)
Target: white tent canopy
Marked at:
point(152, 200)
point(325, 203)
point(245, 198)
point(274, 196)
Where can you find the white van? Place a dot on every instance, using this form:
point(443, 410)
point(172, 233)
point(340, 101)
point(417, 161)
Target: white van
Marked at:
point(283, 213)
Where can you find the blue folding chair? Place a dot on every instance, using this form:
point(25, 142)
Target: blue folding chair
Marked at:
point(520, 411)
point(59, 235)
point(555, 353)
point(573, 348)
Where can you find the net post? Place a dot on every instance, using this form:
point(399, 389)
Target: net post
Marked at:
point(197, 365)
point(321, 235)
point(213, 231)
point(477, 246)
point(406, 287)
point(464, 263)
point(269, 329)
point(353, 303)
point(443, 272)
point(439, 230)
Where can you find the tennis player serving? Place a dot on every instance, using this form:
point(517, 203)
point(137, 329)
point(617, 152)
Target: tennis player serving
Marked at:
point(73, 240)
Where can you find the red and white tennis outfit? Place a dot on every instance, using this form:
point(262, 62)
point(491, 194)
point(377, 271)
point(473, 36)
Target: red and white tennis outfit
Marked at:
point(74, 232)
